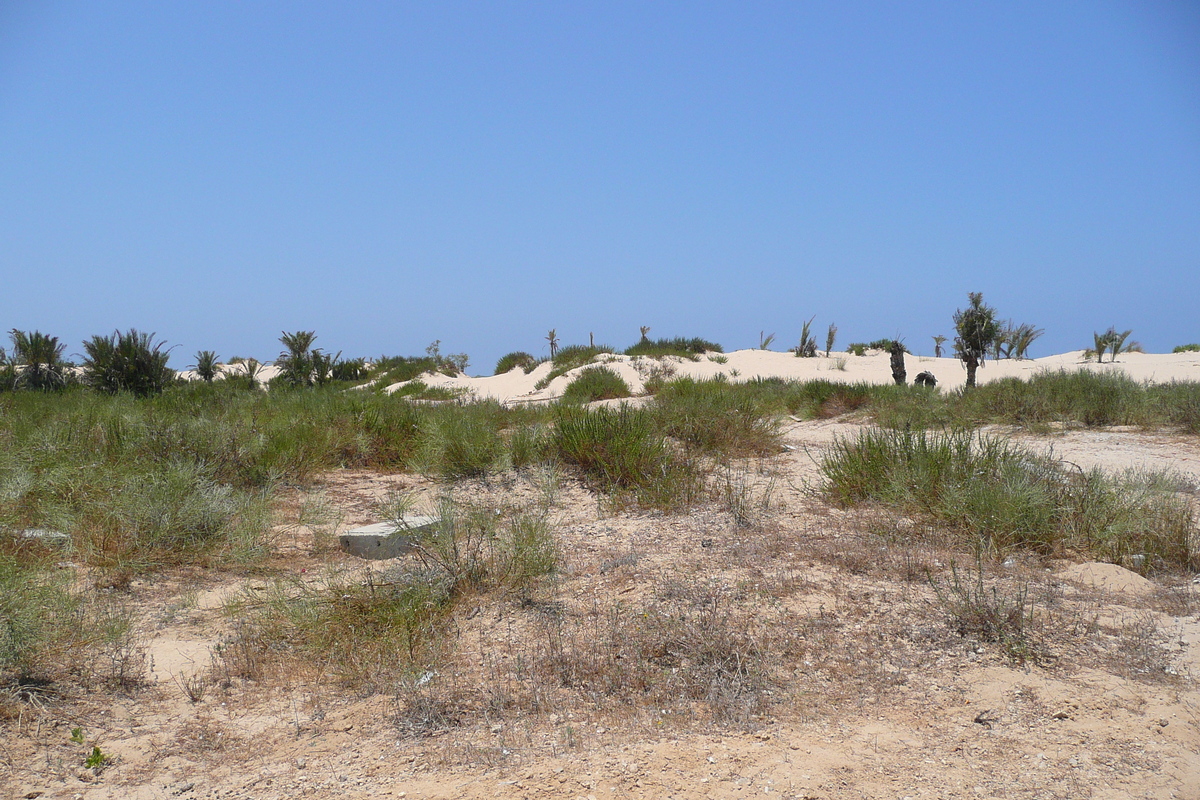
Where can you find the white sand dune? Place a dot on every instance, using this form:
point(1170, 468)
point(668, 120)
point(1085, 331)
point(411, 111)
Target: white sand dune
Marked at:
point(874, 367)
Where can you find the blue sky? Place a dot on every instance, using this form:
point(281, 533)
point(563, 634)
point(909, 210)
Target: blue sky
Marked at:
point(387, 174)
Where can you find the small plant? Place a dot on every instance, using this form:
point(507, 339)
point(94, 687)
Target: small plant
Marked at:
point(765, 340)
point(77, 735)
point(719, 359)
point(97, 759)
point(857, 348)
point(830, 338)
point(807, 348)
point(988, 612)
point(938, 341)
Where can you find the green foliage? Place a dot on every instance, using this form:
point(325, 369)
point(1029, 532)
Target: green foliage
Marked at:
point(1113, 341)
point(38, 616)
point(569, 358)
point(511, 361)
point(126, 362)
point(938, 341)
point(1013, 340)
point(716, 418)
point(1008, 497)
point(885, 345)
point(96, 760)
point(765, 340)
point(36, 361)
point(596, 383)
point(977, 331)
point(1187, 348)
point(296, 363)
point(830, 338)
point(990, 613)
point(807, 348)
point(206, 365)
point(857, 348)
point(462, 441)
point(352, 370)
point(682, 347)
point(621, 450)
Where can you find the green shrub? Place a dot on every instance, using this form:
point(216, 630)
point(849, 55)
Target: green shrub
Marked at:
point(716, 418)
point(1187, 348)
point(511, 361)
point(36, 362)
point(570, 357)
point(1008, 497)
point(679, 346)
point(463, 441)
point(622, 450)
point(38, 618)
point(857, 348)
point(126, 362)
point(596, 383)
point(885, 345)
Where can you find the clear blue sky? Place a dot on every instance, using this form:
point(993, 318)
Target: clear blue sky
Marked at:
point(391, 173)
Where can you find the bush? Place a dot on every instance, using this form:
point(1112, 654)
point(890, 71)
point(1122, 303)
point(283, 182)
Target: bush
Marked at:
point(511, 361)
point(596, 383)
point(1010, 498)
point(622, 450)
point(36, 362)
point(1187, 348)
point(126, 362)
point(716, 418)
point(679, 346)
point(570, 357)
point(462, 441)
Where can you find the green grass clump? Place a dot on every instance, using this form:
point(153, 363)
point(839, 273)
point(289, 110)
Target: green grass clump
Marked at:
point(568, 358)
point(623, 451)
point(1009, 497)
point(596, 383)
point(463, 441)
point(1187, 348)
point(716, 418)
point(511, 361)
point(690, 349)
point(38, 617)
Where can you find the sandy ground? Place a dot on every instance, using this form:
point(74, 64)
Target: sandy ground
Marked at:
point(875, 367)
point(879, 699)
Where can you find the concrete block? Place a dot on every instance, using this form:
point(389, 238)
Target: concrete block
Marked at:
point(385, 539)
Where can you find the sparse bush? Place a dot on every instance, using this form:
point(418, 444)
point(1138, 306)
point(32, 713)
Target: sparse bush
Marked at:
point(885, 345)
point(991, 613)
point(513, 360)
point(596, 383)
point(830, 338)
point(570, 357)
point(807, 348)
point(1187, 348)
point(857, 348)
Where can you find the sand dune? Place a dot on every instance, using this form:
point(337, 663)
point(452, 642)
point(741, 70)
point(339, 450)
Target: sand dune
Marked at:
point(874, 367)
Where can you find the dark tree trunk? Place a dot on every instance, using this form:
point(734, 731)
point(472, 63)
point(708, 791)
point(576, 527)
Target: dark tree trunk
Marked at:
point(972, 365)
point(898, 373)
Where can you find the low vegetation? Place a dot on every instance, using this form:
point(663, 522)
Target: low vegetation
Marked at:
point(596, 383)
point(1007, 498)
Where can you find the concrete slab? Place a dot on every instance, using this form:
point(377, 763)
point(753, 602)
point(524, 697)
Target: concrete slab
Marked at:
point(384, 540)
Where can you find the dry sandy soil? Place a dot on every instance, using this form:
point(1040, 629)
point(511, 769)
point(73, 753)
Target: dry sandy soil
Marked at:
point(861, 687)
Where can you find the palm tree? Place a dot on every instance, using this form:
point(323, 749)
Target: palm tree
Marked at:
point(552, 338)
point(977, 331)
point(296, 362)
point(37, 359)
point(206, 365)
point(938, 341)
point(126, 362)
point(1023, 336)
point(1116, 342)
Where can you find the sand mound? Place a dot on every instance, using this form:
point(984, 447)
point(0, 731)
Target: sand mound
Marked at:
point(1108, 578)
